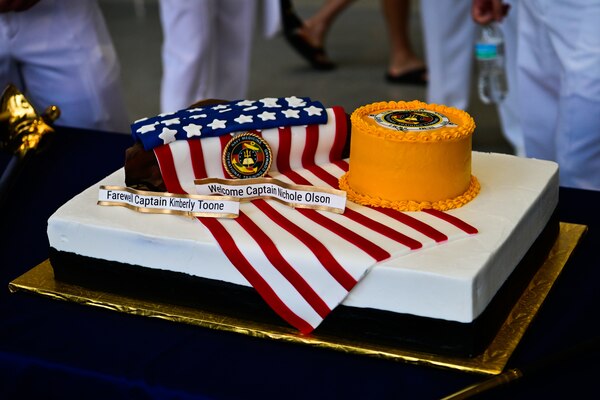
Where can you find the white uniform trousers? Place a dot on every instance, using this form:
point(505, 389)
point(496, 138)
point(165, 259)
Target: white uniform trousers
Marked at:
point(59, 52)
point(559, 86)
point(206, 50)
point(449, 34)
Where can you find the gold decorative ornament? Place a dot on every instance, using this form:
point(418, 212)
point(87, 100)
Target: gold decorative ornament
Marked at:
point(22, 132)
point(23, 129)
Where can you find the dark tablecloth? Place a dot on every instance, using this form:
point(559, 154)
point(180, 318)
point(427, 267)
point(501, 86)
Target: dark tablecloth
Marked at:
point(54, 349)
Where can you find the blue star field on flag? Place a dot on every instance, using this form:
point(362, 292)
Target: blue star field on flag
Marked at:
point(234, 116)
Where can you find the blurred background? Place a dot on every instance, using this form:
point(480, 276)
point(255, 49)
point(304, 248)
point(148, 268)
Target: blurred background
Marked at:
point(357, 42)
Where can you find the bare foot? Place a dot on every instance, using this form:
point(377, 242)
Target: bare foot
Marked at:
point(313, 33)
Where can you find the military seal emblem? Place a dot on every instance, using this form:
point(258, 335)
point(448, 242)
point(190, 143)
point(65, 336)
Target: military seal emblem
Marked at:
point(411, 120)
point(247, 155)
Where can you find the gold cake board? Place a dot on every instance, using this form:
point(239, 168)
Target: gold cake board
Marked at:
point(40, 280)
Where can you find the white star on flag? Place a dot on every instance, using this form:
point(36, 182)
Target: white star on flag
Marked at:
point(219, 107)
point(245, 103)
point(270, 102)
point(291, 113)
point(217, 123)
point(193, 110)
point(147, 128)
point(167, 135)
point(171, 121)
point(265, 116)
point(192, 130)
point(312, 110)
point(198, 116)
point(242, 119)
point(295, 102)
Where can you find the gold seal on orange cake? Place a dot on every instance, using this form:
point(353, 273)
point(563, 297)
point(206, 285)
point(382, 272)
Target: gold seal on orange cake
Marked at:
point(247, 155)
point(411, 120)
point(410, 156)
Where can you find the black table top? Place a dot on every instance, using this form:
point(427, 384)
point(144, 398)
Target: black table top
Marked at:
point(56, 349)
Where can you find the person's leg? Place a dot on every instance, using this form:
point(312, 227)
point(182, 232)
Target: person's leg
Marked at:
point(236, 21)
point(403, 59)
point(67, 59)
point(574, 33)
point(9, 73)
point(508, 109)
point(308, 37)
point(189, 44)
point(449, 35)
point(316, 28)
point(538, 84)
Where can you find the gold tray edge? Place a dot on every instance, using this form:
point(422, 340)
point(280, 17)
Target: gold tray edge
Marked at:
point(40, 280)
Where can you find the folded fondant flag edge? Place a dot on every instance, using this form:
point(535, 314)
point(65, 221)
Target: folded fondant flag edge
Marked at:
point(227, 117)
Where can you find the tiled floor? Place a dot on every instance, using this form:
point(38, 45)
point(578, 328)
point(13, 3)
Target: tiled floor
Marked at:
point(357, 42)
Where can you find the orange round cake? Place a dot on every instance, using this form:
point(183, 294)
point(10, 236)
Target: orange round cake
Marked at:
point(410, 156)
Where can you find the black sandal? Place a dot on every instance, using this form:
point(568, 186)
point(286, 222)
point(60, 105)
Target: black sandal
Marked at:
point(414, 77)
point(316, 56)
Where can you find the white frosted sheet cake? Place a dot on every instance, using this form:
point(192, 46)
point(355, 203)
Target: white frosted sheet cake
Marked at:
point(453, 281)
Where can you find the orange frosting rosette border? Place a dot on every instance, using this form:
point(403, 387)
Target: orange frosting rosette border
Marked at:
point(411, 205)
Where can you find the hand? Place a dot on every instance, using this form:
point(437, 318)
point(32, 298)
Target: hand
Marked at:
point(486, 11)
point(16, 5)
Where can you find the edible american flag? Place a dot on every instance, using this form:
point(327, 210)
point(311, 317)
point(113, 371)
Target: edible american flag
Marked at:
point(303, 262)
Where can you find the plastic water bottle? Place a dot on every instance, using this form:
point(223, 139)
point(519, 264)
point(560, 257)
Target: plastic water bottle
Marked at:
point(489, 52)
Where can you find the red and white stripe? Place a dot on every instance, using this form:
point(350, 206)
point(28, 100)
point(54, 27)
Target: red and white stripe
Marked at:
point(303, 262)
